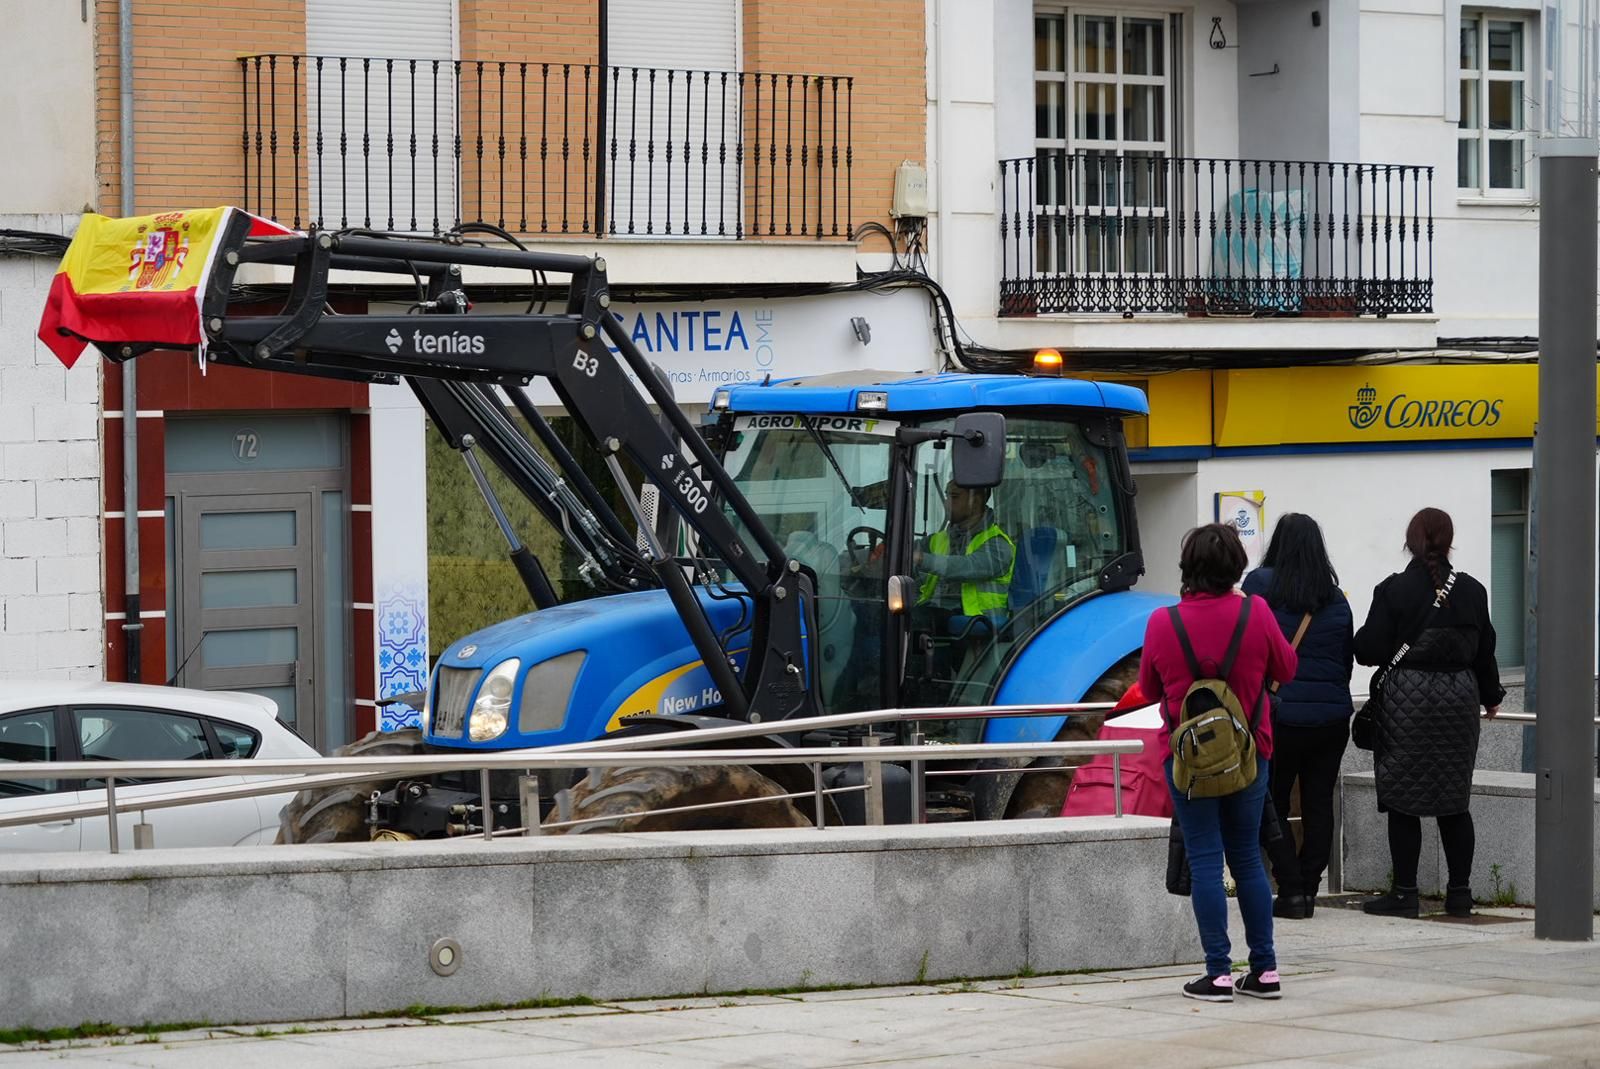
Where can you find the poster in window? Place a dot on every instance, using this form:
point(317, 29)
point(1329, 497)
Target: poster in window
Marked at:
point(1247, 511)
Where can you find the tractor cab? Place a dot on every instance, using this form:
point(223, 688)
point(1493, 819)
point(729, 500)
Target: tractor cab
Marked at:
point(931, 580)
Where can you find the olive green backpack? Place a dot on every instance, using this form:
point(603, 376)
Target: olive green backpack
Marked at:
point(1214, 745)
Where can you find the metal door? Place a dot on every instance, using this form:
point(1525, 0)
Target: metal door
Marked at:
point(248, 618)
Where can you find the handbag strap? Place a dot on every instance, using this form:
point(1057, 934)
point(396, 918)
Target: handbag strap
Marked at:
point(1438, 599)
point(1294, 644)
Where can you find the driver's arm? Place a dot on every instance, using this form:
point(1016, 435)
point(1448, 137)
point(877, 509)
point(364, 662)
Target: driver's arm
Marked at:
point(992, 559)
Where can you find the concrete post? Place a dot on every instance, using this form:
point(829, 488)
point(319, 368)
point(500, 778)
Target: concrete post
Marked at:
point(1564, 808)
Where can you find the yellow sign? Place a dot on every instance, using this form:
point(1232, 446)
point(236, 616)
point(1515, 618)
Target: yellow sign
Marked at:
point(1387, 403)
point(1180, 408)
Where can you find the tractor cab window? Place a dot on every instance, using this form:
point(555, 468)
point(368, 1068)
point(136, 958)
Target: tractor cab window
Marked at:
point(820, 485)
point(995, 564)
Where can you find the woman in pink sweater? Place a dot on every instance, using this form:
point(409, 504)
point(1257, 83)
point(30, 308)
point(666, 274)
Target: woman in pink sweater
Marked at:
point(1211, 562)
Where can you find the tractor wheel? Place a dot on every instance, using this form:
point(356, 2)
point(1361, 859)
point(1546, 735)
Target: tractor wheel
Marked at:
point(339, 814)
point(623, 797)
point(1041, 794)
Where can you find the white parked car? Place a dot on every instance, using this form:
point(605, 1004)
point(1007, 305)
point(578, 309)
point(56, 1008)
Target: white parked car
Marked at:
point(49, 720)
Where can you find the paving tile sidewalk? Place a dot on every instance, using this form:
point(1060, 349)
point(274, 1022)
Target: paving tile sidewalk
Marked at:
point(1358, 991)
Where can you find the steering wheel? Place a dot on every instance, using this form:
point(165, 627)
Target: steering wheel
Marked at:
point(862, 550)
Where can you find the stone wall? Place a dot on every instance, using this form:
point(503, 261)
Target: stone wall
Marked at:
point(285, 933)
point(1503, 818)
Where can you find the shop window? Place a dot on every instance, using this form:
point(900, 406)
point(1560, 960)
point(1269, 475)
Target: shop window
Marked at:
point(1508, 564)
point(471, 580)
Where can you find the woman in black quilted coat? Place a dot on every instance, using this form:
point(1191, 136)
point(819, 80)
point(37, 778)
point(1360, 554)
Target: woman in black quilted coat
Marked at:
point(1428, 727)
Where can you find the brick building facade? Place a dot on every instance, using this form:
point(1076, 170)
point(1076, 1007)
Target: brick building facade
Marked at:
point(794, 145)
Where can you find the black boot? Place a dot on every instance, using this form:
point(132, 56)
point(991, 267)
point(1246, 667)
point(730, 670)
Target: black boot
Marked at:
point(1401, 902)
point(1458, 901)
point(1311, 897)
point(1291, 907)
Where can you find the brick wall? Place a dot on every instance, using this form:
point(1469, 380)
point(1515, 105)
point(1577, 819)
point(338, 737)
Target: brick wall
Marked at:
point(50, 552)
point(883, 47)
point(186, 96)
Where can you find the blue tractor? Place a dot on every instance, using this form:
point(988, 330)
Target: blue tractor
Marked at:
point(825, 545)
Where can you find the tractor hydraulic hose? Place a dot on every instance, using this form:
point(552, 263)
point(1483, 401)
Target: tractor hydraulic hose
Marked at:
point(568, 464)
point(614, 558)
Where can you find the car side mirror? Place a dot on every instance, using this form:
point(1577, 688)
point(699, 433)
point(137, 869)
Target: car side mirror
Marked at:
point(978, 446)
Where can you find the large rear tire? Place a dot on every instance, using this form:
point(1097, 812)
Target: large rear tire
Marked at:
point(1042, 794)
point(618, 800)
point(1018, 795)
point(339, 814)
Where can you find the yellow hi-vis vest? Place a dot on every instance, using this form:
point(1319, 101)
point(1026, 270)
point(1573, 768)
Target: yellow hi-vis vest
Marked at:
point(978, 596)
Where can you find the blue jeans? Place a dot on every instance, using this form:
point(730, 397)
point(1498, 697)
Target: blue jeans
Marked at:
point(1231, 826)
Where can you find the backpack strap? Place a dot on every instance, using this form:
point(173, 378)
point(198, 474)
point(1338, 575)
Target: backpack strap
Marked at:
point(1237, 640)
point(1183, 641)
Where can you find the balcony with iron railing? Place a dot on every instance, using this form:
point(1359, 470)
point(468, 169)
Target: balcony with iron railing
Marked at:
point(547, 150)
point(1096, 232)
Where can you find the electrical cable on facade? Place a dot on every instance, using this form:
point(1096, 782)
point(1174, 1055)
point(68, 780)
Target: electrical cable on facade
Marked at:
point(32, 243)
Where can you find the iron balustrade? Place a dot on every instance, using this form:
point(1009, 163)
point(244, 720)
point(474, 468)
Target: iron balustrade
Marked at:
point(1100, 232)
point(546, 149)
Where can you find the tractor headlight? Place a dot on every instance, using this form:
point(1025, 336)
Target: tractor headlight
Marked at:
point(491, 712)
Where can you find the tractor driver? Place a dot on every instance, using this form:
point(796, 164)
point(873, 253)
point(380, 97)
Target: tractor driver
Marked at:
point(967, 565)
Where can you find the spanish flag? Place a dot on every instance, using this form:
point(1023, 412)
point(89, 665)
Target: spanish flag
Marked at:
point(139, 279)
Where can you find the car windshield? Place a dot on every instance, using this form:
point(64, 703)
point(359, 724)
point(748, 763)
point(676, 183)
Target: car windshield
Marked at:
point(820, 485)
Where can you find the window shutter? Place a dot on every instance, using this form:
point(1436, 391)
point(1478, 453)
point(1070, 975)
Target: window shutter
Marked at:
point(684, 34)
point(409, 29)
point(372, 107)
point(672, 125)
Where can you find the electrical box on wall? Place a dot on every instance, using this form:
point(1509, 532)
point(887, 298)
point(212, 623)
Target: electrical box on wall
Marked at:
point(910, 191)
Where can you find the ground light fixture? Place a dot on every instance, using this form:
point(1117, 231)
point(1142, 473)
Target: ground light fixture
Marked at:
point(444, 957)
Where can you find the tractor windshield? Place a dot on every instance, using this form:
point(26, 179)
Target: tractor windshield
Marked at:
point(820, 485)
point(995, 564)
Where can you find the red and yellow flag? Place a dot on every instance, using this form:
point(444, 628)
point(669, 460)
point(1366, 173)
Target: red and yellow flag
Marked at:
point(138, 279)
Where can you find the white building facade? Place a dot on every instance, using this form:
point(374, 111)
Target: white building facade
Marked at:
point(1288, 220)
point(51, 586)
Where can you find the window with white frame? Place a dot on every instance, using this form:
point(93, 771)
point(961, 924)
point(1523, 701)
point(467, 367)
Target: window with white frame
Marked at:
point(1103, 131)
point(1492, 134)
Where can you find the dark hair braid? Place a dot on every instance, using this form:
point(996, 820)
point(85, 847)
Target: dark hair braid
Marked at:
point(1429, 537)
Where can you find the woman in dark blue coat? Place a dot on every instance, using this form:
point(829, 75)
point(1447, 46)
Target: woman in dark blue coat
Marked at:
point(1311, 715)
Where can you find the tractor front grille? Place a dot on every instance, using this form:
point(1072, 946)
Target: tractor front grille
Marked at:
point(450, 701)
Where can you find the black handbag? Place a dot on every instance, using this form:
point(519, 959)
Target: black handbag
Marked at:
point(1364, 726)
point(1178, 881)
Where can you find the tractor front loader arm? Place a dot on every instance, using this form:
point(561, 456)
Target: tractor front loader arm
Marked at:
point(568, 348)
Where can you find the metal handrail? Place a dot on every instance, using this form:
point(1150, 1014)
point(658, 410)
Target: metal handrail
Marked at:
point(297, 774)
point(385, 767)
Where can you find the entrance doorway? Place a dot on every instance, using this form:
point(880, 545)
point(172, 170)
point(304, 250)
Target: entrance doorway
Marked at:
point(257, 536)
